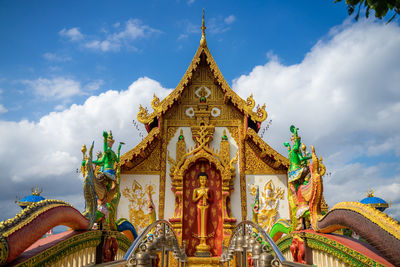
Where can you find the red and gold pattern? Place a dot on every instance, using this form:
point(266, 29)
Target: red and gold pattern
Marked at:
point(214, 222)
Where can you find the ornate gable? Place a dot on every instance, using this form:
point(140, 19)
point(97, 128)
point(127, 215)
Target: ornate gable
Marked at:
point(202, 69)
point(142, 151)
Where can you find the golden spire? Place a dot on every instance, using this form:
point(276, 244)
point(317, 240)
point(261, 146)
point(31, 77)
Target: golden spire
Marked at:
point(370, 192)
point(203, 42)
point(36, 191)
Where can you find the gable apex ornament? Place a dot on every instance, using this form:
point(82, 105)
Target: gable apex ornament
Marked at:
point(203, 42)
point(247, 108)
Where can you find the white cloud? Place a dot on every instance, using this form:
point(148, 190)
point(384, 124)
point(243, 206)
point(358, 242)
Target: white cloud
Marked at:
point(59, 108)
point(95, 85)
point(104, 46)
point(73, 34)
point(55, 57)
point(113, 41)
point(344, 97)
point(2, 109)
point(230, 19)
point(215, 25)
point(56, 88)
point(49, 150)
point(189, 2)
point(61, 88)
point(182, 36)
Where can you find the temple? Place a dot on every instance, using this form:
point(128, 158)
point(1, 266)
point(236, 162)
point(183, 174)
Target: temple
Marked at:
point(202, 189)
point(203, 123)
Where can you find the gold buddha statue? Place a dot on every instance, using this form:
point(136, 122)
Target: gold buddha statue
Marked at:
point(202, 197)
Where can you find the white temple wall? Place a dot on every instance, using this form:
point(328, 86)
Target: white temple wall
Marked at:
point(134, 198)
point(279, 181)
point(233, 148)
point(169, 205)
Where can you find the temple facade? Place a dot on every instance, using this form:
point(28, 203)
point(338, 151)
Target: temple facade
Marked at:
point(203, 127)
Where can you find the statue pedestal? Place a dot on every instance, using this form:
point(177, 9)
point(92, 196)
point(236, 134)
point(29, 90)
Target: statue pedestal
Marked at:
point(202, 261)
point(202, 250)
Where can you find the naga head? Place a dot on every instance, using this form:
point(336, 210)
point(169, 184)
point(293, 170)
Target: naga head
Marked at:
point(110, 139)
point(295, 136)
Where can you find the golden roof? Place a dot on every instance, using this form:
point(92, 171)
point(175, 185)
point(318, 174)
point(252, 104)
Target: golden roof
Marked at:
point(246, 107)
point(140, 148)
point(266, 149)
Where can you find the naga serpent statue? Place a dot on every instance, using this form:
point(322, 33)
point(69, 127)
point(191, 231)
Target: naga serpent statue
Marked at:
point(305, 197)
point(101, 187)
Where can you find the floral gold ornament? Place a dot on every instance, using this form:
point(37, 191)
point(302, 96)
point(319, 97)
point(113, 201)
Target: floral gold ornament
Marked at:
point(202, 91)
point(215, 112)
point(270, 197)
point(138, 203)
point(190, 112)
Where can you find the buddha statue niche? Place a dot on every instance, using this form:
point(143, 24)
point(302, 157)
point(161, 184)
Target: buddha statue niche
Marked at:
point(202, 197)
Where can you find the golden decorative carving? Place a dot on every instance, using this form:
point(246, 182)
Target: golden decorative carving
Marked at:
point(202, 134)
point(255, 165)
point(269, 200)
point(202, 91)
point(382, 219)
point(203, 261)
point(225, 149)
point(127, 160)
point(155, 104)
point(180, 147)
point(216, 123)
point(202, 52)
point(171, 133)
point(324, 206)
point(143, 115)
point(250, 103)
point(138, 214)
point(151, 163)
point(234, 133)
point(242, 174)
point(163, 170)
point(266, 150)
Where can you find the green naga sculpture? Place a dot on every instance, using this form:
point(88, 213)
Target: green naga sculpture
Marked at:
point(296, 157)
point(102, 186)
point(299, 174)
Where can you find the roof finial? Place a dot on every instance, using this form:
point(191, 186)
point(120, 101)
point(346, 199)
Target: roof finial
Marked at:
point(370, 192)
point(203, 41)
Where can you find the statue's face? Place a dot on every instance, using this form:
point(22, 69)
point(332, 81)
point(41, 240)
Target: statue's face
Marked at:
point(203, 180)
point(110, 143)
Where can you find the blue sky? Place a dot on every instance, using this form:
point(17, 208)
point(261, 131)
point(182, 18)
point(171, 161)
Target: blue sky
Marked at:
point(71, 69)
point(33, 45)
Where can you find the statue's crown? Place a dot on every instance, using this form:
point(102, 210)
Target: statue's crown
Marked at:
point(110, 137)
